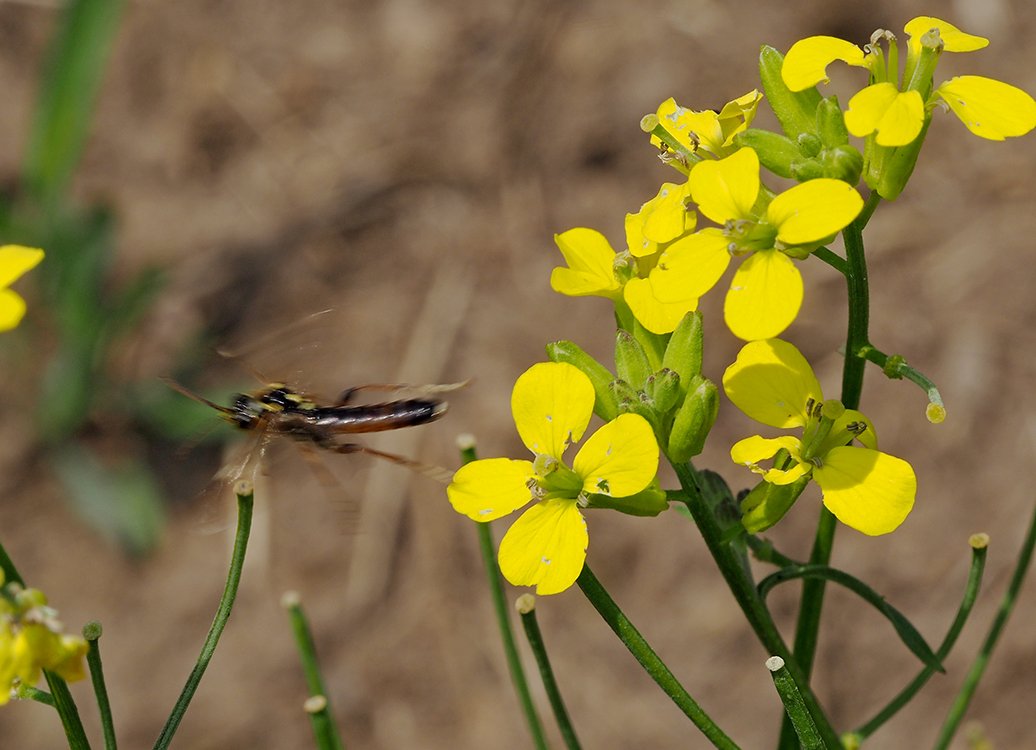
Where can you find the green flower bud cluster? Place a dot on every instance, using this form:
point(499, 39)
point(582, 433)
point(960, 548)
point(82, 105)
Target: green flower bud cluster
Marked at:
point(815, 143)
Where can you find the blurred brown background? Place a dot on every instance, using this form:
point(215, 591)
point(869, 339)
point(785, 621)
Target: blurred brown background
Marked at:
point(407, 162)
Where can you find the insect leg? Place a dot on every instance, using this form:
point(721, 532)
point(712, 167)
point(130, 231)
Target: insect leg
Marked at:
point(437, 473)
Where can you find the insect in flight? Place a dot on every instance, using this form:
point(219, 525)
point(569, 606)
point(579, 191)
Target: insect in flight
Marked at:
point(277, 409)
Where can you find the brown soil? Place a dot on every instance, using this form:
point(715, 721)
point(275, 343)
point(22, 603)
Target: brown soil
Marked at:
point(407, 163)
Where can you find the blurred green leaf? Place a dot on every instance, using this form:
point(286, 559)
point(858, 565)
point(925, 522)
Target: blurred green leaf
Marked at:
point(122, 502)
point(71, 80)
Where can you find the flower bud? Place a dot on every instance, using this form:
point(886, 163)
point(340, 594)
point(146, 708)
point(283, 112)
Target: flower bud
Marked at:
point(605, 404)
point(631, 362)
point(796, 110)
point(831, 123)
point(776, 152)
point(684, 351)
point(809, 145)
point(694, 420)
point(805, 170)
point(664, 389)
point(843, 163)
point(767, 503)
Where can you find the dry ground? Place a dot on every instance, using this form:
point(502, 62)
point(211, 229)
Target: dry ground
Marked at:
point(407, 163)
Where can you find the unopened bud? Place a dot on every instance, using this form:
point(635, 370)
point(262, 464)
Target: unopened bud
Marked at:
point(796, 110)
point(776, 152)
point(664, 389)
point(767, 503)
point(831, 123)
point(605, 404)
point(694, 420)
point(631, 362)
point(683, 353)
point(843, 163)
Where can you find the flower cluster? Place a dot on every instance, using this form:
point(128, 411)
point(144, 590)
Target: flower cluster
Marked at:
point(31, 640)
point(678, 246)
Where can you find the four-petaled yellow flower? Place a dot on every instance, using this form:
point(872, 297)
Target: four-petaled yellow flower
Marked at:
point(896, 113)
point(766, 293)
point(15, 260)
point(707, 131)
point(546, 547)
point(31, 641)
point(773, 383)
point(596, 269)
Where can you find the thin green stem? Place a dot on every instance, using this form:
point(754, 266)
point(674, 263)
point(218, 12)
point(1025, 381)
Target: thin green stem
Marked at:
point(807, 627)
point(496, 590)
point(653, 665)
point(321, 718)
point(978, 563)
point(11, 574)
point(794, 707)
point(24, 692)
point(978, 667)
point(92, 634)
point(832, 259)
point(527, 610)
point(894, 366)
point(66, 708)
point(743, 589)
point(219, 622)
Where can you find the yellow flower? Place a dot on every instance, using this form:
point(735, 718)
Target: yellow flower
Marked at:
point(766, 293)
point(546, 547)
point(594, 268)
point(864, 488)
point(709, 131)
point(895, 111)
point(15, 260)
point(31, 641)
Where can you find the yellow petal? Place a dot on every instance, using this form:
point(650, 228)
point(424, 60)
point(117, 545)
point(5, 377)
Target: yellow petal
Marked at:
point(771, 382)
point(806, 63)
point(487, 489)
point(726, 189)
point(652, 313)
point(691, 266)
point(750, 451)
point(781, 477)
point(765, 296)
point(590, 262)
point(691, 129)
point(737, 115)
point(12, 309)
point(954, 40)
point(870, 491)
point(813, 210)
point(15, 260)
point(545, 547)
point(551, 404)
point(638, 245)
point(988, 108)
point(896, 116)
point(619, 459)
point(666, 216)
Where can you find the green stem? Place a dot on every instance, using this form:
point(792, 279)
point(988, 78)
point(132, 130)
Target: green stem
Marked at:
point(11, 574)
point(978, 562)
point(654, 666)
point(978, 667)
point(503, 621)
point(896, 367)
point(832, 259)
point(747, 597)
point(92, 634)
point(807, 626)
point(527, 610)
point(794, 707)
point(514, 664)
point(243, 489)
point(66, 708)
point(324, 728)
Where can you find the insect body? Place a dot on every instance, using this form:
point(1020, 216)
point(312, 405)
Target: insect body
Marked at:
point(279, 410)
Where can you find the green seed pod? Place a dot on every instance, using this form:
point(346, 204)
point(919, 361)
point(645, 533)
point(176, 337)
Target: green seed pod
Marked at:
point(776, 152)
point(831, 123)
point(694, 420)
point(767, 503)
point(796, 111)
point(606, 406)
point(631, 363)
point(664, 389)
point(684, 350)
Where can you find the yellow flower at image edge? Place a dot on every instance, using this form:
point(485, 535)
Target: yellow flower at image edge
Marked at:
point(546, 547)
point(864, 488)
point(15, 260)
